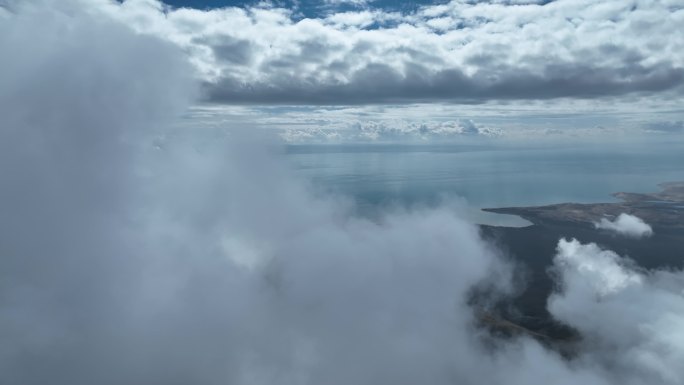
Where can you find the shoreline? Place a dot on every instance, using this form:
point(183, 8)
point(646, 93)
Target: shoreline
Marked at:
point(663, 210)
point(533, 248)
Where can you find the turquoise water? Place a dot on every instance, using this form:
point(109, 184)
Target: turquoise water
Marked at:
point(376, 176)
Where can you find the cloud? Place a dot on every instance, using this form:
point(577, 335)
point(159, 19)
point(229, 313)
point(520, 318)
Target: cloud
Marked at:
point(631, 319)
point(462, 51)
point(573, 120)
point(392, 131)
point(135, 253)
point(627, 225)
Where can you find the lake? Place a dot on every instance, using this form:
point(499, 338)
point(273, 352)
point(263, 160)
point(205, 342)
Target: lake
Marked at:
point(493, 175)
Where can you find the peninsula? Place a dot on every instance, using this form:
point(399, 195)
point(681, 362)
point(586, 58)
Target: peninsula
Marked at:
point(533, 247)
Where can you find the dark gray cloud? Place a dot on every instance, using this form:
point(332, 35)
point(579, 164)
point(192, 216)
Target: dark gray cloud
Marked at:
point(232, 51)
point(381, 83)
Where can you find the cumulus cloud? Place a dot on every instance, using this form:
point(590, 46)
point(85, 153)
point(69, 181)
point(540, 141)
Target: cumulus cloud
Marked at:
point(631, 319)
point(460, 51)
point(392, 131)
point(627, 225)
point(533, 120)
point(133, 253)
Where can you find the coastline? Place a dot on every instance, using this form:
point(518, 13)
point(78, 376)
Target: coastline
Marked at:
point(663, 210)
point(533, 247)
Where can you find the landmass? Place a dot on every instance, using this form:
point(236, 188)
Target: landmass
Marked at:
point(533, 248)
point(664, 210)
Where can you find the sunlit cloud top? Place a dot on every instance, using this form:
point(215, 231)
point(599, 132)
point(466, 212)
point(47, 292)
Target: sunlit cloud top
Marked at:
point(362, 52)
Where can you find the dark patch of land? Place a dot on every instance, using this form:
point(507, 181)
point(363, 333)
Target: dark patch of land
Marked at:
point(534, 246)
point(664, 211)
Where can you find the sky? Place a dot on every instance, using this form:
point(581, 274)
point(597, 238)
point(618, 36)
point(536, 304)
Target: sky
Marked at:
point(373, 70)
point(135, 253)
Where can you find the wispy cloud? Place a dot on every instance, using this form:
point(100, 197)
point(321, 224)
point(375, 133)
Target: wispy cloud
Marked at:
point(632, 319)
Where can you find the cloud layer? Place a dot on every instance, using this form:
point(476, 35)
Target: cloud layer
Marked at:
point(462, 51)
point(392, 131)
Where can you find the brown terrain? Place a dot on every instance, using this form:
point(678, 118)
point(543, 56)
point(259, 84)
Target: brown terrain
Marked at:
point(533, 248)
point(663, 210)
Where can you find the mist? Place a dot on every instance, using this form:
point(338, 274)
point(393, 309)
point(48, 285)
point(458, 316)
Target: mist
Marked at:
point(135, 252)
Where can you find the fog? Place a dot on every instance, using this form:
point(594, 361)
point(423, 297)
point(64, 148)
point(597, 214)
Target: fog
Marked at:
point(134, 253)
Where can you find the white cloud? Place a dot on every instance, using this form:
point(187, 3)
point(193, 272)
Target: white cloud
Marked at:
point(534, 65)
point(632, 320)
point(627, 225)
point(600, 268)
point(533, 120)
point(460, 51)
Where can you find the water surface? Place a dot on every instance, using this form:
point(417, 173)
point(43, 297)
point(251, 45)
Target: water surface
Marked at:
point(380, 175)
